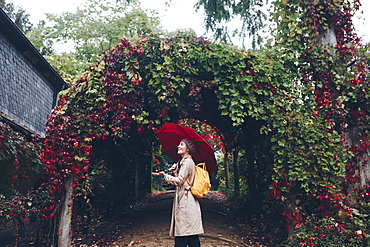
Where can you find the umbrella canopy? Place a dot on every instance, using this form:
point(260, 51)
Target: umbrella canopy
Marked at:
point(170, 136)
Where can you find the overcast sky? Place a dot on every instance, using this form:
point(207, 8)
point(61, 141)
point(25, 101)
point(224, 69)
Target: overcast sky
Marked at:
point(180, 15)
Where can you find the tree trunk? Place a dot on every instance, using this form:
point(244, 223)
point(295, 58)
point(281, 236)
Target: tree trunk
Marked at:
point(147, 174)
point(65, 228)
point(290, 206)
point(227, 172)
point(137, 180)
point(143, 176)
point(236, 172)
point(328, 38)
point(251, 176)
point(352, 137)
point(352, 134)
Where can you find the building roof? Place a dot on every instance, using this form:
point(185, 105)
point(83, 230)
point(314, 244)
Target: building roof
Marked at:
point(11, 32)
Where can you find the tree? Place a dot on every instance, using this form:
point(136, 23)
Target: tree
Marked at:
point(249, 14)
point(18, 15)
point(89, 31)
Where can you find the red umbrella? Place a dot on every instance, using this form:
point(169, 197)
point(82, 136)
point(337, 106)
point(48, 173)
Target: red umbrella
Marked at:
point(170, 136)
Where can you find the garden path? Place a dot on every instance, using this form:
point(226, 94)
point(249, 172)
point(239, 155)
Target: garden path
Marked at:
point(148, 224)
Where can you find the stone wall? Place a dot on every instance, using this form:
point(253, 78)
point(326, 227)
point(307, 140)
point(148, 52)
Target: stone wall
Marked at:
point(26, 97)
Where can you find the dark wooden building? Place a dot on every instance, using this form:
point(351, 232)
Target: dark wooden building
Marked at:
point(29, 86)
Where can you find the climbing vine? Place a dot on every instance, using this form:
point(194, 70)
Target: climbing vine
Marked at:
point(337, 77)
point(140, 84)
point(303, 94)
point(303, 99)
point(18, 156)
point(20, 163)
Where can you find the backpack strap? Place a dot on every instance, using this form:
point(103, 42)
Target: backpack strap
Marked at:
point(200, 164)
point(187, 180)
point(204, 165)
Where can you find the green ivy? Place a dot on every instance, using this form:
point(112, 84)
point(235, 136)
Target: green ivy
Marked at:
point(296, 89)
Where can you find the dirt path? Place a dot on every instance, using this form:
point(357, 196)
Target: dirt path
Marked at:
point(148, 225)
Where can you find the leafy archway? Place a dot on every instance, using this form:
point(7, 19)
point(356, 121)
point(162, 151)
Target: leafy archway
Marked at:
point(297, 112)
point(248, 96)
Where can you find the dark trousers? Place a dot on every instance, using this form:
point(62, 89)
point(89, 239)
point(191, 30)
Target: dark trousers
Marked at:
point(190, 241)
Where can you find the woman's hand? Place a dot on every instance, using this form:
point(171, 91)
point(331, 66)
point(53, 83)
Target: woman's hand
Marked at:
point(173, 167)
point(159, 174)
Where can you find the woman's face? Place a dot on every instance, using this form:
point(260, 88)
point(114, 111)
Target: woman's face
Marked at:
point(182, 148)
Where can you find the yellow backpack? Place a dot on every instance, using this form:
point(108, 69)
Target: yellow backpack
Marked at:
point(201, 184)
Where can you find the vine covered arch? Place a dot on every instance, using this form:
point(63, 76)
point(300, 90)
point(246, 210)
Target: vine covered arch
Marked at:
point(297, 112)
point(111, 114)
point(140, 85)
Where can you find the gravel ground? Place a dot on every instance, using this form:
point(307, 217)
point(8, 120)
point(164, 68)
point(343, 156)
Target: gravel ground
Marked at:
point(147, 224)
point(150, 221)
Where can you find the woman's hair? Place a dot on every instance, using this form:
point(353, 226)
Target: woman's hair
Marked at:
point(190, 144)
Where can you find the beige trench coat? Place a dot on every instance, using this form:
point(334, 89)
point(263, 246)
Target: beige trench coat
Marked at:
point(186, 217)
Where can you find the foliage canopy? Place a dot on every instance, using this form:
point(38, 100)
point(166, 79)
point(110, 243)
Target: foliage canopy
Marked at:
point(88, 31)
point(304, 94)
point(18, 15)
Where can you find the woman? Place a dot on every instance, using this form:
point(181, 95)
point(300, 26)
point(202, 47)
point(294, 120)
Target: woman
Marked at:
point(186, 222)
